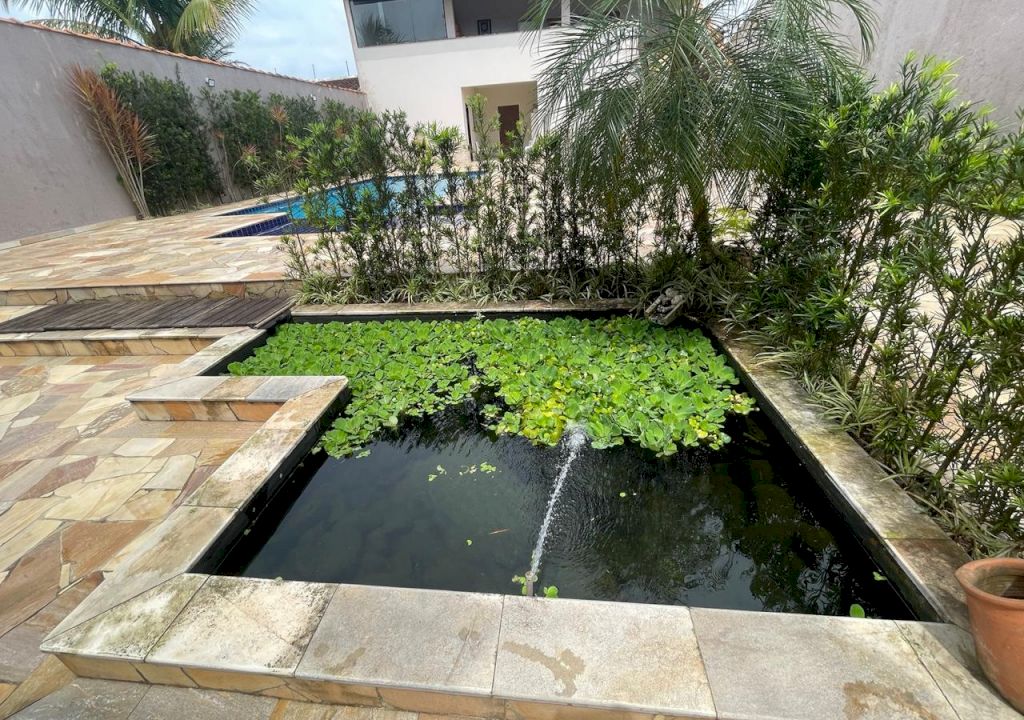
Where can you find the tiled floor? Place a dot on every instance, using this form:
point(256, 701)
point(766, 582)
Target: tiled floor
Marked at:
point(80, 477)
point(161, 251)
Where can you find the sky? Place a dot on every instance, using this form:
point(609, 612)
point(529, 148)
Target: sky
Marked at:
point(289, 37)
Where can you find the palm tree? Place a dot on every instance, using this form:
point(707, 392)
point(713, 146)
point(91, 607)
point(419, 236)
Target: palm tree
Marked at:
point(202, 28)
point(696, 95)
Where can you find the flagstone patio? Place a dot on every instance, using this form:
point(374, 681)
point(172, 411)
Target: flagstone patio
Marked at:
point(80, 478)
point(160, 257)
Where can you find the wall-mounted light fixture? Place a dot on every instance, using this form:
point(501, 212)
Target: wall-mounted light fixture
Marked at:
point(210, 82)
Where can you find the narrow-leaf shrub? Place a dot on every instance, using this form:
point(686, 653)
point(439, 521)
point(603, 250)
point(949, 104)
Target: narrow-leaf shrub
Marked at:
point(620, 379)
point(887, 271)
point(251, 132)
point(396, 219)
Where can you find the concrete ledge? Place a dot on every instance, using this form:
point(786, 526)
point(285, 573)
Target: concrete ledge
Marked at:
point(327, 313)
point(69, 343)
point(55, 296)
point(915, 553)
point(205, 397)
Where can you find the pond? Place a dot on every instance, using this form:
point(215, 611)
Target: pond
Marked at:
point(442, 502)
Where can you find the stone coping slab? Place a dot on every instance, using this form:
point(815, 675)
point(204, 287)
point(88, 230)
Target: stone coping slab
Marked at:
point(66, 343)
point(910, 547)
point(113, 290)
point(318, 313)
point(155, 620)
point(499, 657)
point(223, 398)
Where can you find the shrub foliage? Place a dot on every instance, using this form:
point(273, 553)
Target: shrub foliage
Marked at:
point(887, 271)
point(515, 227)
point(183, 173)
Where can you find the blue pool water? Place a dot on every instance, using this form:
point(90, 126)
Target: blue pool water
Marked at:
point(292, 219)
point(294, 206)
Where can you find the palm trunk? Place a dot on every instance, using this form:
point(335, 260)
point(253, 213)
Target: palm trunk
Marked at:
point(700, 209)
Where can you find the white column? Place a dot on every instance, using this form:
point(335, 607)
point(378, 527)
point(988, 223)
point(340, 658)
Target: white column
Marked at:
point(449, 18)
point(566, 11)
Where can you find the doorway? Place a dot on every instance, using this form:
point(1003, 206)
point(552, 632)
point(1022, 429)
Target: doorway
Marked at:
point(508, 117)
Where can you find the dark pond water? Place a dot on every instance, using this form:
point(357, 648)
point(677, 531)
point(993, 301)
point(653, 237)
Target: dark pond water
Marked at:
point(443, 504)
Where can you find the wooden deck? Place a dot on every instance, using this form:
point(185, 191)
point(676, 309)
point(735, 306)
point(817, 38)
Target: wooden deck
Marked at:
point(150, 314)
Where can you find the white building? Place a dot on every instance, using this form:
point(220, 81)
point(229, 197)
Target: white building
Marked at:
point(427, 57)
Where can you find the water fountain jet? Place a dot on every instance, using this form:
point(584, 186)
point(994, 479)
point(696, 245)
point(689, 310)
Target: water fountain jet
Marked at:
point(574, 440)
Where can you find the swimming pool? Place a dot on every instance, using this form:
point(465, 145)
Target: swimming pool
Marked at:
point(292, 216)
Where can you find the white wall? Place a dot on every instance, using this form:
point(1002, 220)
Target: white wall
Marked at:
point(426, 79)
point(53, 173)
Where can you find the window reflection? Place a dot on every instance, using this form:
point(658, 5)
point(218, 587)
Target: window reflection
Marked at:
point(385, 22)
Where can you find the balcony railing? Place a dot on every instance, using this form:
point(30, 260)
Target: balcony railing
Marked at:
point(390, 22)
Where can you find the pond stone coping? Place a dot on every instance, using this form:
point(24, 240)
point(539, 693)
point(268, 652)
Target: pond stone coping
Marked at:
point(67, 343)
point(155, 620)
point(909, 546)
point(326, 313)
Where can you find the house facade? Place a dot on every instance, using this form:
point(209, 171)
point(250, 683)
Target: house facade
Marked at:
point(427, 57)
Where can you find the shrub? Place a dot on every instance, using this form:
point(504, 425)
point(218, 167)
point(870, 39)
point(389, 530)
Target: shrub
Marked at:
point(183, 174)
point(515, 228)
point(894, 285)
point(252, 133)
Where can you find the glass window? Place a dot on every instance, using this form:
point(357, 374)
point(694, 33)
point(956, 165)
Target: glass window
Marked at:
point(385, 22)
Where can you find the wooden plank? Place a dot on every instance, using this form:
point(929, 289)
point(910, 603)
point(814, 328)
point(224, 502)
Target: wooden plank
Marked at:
point(149, 314)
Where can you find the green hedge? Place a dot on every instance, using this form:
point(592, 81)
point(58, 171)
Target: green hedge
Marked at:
point(185, 174)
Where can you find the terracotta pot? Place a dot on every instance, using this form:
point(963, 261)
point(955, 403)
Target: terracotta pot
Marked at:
point(995, 602)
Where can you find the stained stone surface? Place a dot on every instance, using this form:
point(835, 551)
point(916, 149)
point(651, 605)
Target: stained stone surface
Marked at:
point(807, 667)
point(948, 653)
point(131, 629)
point(244, 625)
point(629, 656)
point(77, 475)
point(367, 635)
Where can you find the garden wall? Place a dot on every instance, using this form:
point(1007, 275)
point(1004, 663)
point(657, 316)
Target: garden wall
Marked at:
point(984, 35)
point(54, 176)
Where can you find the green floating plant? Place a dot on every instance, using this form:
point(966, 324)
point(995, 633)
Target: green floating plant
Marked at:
point(619, 378)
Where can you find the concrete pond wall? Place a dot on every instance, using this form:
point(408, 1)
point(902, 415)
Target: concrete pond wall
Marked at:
point(54, 176)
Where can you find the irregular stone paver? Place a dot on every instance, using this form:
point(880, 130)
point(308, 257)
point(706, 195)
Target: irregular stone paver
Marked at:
point(86, 699)
point(80, 479)
point(165, 702)
point(177, 254)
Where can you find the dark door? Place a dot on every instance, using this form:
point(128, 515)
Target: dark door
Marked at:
point(508, 116)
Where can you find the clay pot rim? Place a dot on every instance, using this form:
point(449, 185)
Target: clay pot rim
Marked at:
point(967, 573)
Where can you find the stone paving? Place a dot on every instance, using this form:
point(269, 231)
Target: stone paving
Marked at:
point(110, 700)
point(176, 255)
point(81, 477)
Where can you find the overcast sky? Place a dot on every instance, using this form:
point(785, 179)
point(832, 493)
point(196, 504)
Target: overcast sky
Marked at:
point(289, 37)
